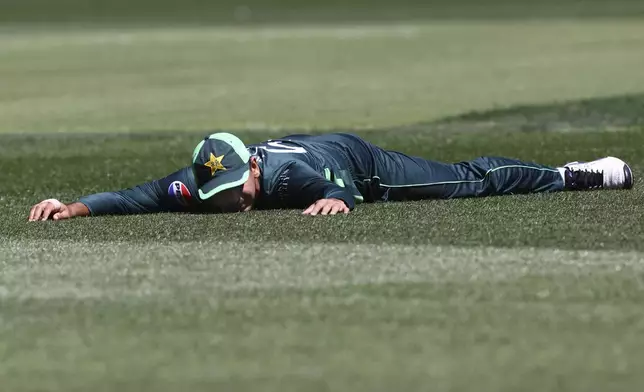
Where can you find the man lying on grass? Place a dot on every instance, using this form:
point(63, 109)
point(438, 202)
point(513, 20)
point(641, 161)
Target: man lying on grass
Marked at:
point(328, 174)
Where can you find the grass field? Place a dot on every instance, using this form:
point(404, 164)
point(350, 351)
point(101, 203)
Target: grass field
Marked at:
point(533, 293)
point(370, 76)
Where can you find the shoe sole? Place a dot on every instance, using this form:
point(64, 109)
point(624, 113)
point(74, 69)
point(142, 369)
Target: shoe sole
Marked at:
point(628, 177)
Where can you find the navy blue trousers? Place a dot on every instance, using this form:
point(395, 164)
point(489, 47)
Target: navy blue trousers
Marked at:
point(403, 177)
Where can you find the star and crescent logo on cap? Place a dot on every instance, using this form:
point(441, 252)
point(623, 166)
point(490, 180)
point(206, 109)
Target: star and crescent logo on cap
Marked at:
point(215, 164)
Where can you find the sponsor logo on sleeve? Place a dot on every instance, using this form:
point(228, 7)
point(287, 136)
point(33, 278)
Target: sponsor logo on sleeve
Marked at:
point(179, 191)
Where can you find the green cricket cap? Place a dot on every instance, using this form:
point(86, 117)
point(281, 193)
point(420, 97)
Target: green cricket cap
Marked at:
point(220, 162)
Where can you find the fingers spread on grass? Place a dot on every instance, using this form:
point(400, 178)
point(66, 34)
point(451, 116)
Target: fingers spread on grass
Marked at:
point(49, 208)
point(44, 210)
point(309, 210)
point(36, 212)
point(339, 206)
point(315, 207)
point(326, 207)
point(32, 213)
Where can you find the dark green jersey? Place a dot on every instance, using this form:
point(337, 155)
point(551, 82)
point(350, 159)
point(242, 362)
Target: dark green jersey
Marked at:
point(297, 170)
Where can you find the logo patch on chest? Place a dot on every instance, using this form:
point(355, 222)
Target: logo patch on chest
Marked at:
point(179, 191)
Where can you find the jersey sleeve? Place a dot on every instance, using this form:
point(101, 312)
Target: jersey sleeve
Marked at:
point(173, 193)
point(299, 186)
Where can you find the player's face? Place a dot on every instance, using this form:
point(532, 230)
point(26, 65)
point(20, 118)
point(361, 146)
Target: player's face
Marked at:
point(237, 199)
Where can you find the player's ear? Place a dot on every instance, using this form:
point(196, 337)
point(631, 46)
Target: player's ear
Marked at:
point(254, 167)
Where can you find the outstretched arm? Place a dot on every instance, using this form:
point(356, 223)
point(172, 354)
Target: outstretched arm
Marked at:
point(171, 193)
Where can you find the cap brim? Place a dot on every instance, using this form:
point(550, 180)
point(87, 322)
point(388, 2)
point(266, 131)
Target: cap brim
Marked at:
point(223, 181)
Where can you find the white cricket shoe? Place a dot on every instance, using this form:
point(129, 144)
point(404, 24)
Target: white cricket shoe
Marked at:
point(607, 173)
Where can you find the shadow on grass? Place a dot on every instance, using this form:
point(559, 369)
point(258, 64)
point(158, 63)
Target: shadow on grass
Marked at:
point(615, 113)
point(597, 114)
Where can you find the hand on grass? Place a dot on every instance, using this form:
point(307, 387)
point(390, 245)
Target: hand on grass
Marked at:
point(54, 209)
point(327, 207)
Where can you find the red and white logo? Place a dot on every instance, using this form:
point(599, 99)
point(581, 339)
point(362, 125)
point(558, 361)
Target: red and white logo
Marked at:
point(179, 191)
